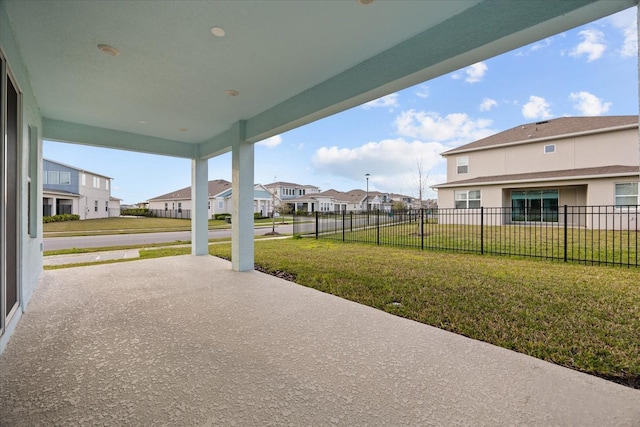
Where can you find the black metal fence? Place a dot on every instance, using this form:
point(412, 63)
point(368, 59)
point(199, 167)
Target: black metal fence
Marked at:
point(606, 235)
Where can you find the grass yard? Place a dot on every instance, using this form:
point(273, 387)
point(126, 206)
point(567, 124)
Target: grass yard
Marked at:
point(597, 246)
point(584, 318)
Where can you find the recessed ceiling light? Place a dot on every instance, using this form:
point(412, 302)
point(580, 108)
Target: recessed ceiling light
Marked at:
point(232, 92)
point(365, 2)
point(183, 129)
point(142, 122)
point(109, 50)
point(218, 32)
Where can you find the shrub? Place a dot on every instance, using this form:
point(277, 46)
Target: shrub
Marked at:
point(135, 212)
point(221, 216)
point(60, 218)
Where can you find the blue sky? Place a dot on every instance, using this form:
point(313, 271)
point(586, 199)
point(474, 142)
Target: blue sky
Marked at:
point(588, 71)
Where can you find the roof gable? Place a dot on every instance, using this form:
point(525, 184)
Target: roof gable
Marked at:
point(558, 128)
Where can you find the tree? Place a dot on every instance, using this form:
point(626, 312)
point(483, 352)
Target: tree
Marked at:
point(421, 183)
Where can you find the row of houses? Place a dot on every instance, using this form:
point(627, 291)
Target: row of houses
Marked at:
point(298, 198)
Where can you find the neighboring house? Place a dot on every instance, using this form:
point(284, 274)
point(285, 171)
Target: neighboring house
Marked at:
point(219, 199)
point(290, 190)
point(538, 167)
point(70, 190)
point(114, 206)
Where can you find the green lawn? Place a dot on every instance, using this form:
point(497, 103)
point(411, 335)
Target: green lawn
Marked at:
point(597, 246)
point(584, 318)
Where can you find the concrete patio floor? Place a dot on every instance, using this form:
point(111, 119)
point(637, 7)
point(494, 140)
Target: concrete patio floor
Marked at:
point(186, 341)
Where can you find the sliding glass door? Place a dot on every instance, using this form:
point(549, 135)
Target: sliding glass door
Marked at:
point(534, 205)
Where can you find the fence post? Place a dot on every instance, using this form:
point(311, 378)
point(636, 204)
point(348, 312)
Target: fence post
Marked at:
point(422, 228)
point(343, 216)
point(565, 233)
point(316, 225)
point(351, 221)
point(481, 230)
point(378, 227)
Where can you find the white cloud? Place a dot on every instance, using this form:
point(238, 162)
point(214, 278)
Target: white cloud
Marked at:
point(589, 104)
point(423, 91)
point(390, 101)
point(592, 45)
point(536, 108)
point(626, 22)
point(456, 76)
point(391, 162)
point(542, 44)
point(454, 128)
point(487, 104)
point(301, 146)
point(476, 72)
point(274, 141)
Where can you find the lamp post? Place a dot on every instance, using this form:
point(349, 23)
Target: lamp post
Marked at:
point(367, 199)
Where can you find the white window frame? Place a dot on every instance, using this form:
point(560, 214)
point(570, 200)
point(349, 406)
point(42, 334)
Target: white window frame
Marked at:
point(106, 183)
point(65, 178)
point(84, 179)
point(462, 162)
point(53, 177)
point(616, 196)
point(551, 147)
point(96, 182)
point(464, 196)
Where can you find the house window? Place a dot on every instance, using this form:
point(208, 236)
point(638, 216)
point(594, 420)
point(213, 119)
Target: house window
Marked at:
point(53, 177)
point(106, 183)
point(209, 205)
point(549, 148)
point(463, 164)
point(627, 194)
point(534, 205)
point(96, 182)
point(65, 178)
point(106, 206)
point(220, 204)
point(467, 199)
point(179, 207)
point(166, 206)
point(84, 179)
point(95, 206)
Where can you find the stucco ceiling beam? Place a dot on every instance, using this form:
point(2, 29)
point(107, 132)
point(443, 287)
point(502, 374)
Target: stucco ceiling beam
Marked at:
point(62, 131)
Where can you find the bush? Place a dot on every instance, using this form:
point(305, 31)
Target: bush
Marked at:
point(60, 218)
point(135, 212)
point(258, 215)
point(221, 216)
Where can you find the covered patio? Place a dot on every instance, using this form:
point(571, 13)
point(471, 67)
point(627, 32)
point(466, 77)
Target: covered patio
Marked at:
point(191, 340)
point(144, 343)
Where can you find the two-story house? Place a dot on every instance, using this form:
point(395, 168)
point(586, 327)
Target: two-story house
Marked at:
point(538, 167)
point(70, 190)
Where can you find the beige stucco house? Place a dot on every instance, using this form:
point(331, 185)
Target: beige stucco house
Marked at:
point(537, 168)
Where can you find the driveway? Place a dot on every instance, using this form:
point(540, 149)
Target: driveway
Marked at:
point(186, 341)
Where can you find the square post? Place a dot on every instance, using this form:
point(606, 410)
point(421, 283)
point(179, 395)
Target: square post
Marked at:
point(199, 199)
point(242, 164)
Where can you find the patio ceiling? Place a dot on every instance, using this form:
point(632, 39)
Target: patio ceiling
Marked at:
point(292, 62)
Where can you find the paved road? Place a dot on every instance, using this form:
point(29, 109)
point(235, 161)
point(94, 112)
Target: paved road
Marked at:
point(56, 243)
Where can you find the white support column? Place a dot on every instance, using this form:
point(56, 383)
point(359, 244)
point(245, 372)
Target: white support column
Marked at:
point(242, 164)
point(199, 199)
